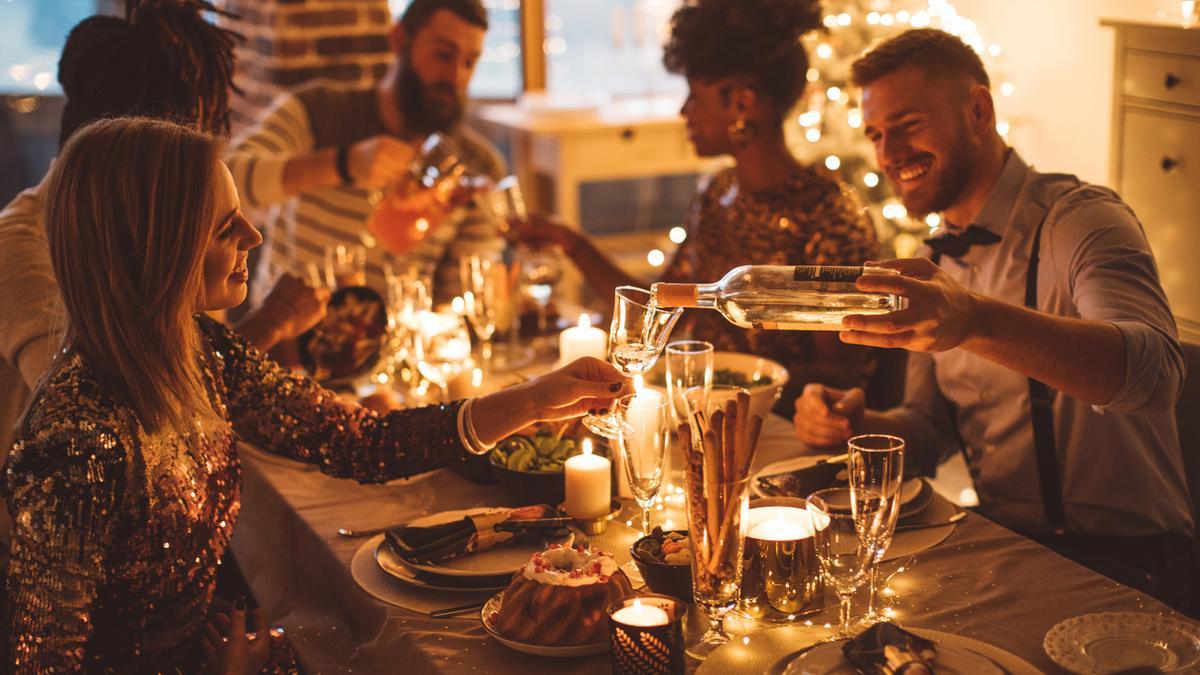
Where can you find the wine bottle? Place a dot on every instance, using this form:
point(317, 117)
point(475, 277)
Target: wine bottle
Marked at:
point(783, 297)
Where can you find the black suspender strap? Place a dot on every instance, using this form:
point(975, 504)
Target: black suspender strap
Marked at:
point(1041, 402)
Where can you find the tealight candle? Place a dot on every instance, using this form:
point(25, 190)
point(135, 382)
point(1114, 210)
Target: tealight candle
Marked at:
point(582, 340)
point(637, 614)
point(589, 484)
point(781, 577)
point(779, 529)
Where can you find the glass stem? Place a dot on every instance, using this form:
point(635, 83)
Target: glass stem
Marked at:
point(845, 615)
point(872, 581)
point(645, 521)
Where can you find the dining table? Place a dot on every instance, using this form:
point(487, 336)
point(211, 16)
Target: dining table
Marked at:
point(982, 581)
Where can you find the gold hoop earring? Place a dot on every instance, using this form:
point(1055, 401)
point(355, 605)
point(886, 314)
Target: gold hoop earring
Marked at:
point(741, 133)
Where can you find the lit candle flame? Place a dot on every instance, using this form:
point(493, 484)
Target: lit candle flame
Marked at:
point(477, 377)
point(639, 383)
point(637, 602)
point(585, 321)
point(458, 305)
point(587, 446)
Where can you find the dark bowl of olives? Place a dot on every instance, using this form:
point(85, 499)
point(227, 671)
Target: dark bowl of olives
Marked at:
point(665, 561)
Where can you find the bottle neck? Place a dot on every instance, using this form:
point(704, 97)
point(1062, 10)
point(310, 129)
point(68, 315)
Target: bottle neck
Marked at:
point(706, 296)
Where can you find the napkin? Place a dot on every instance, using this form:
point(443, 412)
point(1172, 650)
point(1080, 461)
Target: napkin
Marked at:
point(801, 482)
point(479, 531)
point(867, 651)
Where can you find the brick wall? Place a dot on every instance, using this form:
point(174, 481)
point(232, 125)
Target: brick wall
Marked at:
point(289, 42)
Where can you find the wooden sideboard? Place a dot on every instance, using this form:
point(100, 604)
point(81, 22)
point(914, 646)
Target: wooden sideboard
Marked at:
point(1156, 151)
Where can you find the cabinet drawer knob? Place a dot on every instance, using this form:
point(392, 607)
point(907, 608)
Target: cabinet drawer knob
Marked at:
point(1172, 80)
point(1168, 164)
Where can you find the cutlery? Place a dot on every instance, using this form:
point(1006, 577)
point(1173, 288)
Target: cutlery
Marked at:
point(455, 611)
point(346, 532)
point(925, 526)
point(515, 526)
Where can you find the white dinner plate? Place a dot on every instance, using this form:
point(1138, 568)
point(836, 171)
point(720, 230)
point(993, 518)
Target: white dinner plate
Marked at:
point(908, 491)
point(1112, 641)
point(494, 562)
point(493, 607)
point(398, 569)
point(827, 659)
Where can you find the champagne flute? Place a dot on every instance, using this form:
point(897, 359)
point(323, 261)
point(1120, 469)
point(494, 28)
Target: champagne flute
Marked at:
point(842, 553)
point(636, 337)
point(643, 437)
point(345, 266)
point(689, 372)
point(876, 473)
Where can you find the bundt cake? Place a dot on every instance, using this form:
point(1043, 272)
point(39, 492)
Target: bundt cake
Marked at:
point(561, 597)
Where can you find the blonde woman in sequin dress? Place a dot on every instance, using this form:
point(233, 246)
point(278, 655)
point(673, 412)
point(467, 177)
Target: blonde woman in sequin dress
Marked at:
point(125, 485)
point(746, 68)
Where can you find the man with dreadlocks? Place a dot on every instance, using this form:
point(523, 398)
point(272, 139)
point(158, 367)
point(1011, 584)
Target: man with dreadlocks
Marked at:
point(318, 154)
point(162, 60)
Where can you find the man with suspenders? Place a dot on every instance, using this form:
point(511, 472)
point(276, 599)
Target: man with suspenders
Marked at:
point(1042, 343)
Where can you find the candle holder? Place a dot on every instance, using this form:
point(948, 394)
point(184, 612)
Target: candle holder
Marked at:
point(594, 526)
point(781, 576)
point(647, 649)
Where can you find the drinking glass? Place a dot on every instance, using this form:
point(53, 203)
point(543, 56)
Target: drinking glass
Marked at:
point(717, 512)
point(345, 266)
point(636, 337)
point(843, 554)
point(441, 348)
point(643, 436)
point(689, 369)
point(875, 465)
point(539, 269)
point(505, 202)
point(483, 279)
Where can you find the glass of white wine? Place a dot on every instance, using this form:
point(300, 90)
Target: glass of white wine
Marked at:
point(636, 337)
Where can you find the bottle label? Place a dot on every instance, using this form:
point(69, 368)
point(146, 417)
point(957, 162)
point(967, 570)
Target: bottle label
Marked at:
point(828, 273)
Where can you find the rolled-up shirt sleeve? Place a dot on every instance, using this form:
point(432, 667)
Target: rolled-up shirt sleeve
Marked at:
point(31, 316)
point(931, 436)
point(1099, 251)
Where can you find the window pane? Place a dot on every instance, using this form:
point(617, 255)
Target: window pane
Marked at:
point(614, 47)
point(498, 74)
point(32, 33)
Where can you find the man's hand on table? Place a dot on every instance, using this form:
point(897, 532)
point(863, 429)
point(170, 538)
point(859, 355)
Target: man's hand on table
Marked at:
point(826, 416)
point(940, 313)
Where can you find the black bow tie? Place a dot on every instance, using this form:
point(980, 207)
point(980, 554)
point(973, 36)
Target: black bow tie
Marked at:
point(957, 245)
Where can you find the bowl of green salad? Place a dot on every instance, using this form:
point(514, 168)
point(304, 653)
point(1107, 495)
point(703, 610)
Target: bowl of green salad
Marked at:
point(529, 466)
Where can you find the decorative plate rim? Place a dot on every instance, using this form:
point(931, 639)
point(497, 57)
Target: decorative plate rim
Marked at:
point(1062, 647)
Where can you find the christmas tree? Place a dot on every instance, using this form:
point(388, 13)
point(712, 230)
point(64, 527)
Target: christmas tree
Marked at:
point(827, 125)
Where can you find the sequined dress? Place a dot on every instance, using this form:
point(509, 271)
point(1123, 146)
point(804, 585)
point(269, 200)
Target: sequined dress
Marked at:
point(810, 218)
point(118, 532)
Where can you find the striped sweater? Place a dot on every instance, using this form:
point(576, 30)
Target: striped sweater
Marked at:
point(300, 227)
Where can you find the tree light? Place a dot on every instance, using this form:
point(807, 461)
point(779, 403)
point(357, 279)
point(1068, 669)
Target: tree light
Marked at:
point(1002, 128)
point(1007, 88)
point(933, 220)
point(813, 134)
point(871, 179)
point(656, 257)
point(843, 19)
point(833, 163)
point(677, 234)
point(824, 50)
point(833, 93)
point(873, 18)
point(854, 118)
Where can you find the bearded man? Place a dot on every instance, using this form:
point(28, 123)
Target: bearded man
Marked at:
point(322, 154)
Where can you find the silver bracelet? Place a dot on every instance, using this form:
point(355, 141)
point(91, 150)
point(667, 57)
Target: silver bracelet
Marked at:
point(474, 445)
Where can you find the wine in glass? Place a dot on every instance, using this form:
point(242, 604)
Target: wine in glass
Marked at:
point(442, 349)
point(875, 465)
point(483, 285)
point(636, 337)
point(643, 437)
point(539, 271)
point(844, 556)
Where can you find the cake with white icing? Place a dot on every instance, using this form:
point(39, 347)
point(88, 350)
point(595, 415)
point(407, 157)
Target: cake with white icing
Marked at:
point(560, 597)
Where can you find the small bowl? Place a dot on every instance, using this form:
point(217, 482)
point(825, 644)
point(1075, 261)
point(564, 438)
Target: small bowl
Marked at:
point(531, 487)
point(669, 579)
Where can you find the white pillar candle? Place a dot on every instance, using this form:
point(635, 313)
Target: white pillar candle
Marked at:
point(645, 616)
point(582, 340)
point(779, 523)
point(589, 484)
point(645, 415)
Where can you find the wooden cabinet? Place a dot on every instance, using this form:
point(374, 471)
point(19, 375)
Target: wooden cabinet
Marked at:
point(1156, 152)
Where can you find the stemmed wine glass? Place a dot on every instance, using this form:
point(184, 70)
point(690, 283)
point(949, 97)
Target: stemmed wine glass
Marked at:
point(843, 555)
point(876, 473)
point(636, 337)
point(482, 282)
point(539, 269)
point(441, 348)
point(643, 437)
